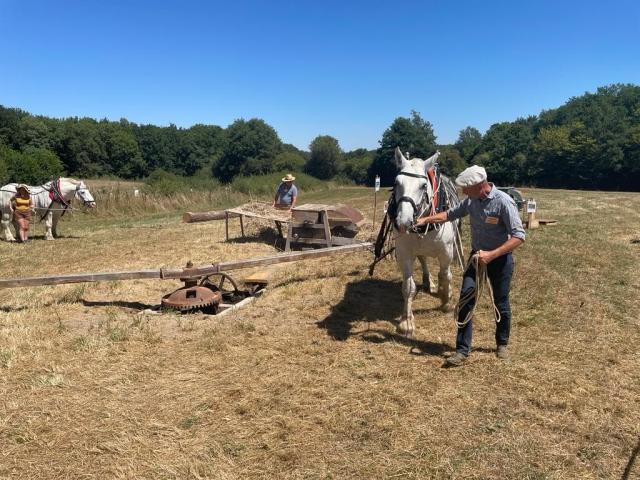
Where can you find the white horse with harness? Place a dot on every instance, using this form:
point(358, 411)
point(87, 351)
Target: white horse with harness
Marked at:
point(50, 200)
point(417, 190)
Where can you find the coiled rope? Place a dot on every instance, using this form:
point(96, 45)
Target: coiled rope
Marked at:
point(474, 294)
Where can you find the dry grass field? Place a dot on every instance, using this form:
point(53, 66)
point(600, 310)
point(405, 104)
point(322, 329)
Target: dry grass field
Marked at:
point(310, 380)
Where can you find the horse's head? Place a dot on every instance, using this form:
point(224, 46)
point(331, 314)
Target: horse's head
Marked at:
point(70, 188)
point(83, 194)
point(412, 191)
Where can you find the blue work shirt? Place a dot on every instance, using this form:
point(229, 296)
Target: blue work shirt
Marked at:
point(494, 219)
point(285, 195)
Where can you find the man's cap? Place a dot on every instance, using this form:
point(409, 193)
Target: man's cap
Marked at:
point(471, 176)
point(288, 178)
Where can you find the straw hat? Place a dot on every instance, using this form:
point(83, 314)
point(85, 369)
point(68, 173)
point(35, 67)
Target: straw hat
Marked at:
point(23, 187)
point(288, 178)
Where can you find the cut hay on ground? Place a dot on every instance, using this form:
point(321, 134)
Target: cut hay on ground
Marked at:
point(310, 381)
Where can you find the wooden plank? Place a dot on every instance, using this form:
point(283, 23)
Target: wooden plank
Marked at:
point(292, 257)
point(287, 245)
point(192, 217)
point(194, 272)
point(304, 216)
point(282, 217)
point(312, 207)
point(309, 226)
point(335, 241)
point(327, 230)
point(79, 278)
point(241, 226)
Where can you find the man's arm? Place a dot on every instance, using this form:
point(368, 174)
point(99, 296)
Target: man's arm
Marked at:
point(293, 202)
point(452, 214)
point(487, 256)
point(437, 218)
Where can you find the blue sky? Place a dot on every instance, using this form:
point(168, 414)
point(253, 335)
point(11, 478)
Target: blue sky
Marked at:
point(339, 68)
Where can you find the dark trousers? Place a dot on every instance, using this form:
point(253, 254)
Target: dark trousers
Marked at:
point(499, 272)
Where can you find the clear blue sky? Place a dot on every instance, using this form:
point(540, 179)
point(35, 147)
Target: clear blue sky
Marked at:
point(339, 68)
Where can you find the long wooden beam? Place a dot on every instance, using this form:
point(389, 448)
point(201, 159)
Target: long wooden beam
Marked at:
point(173, 273)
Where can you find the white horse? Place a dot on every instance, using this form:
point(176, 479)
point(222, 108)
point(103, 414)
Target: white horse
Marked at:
point(413, 196)
point(50, 201)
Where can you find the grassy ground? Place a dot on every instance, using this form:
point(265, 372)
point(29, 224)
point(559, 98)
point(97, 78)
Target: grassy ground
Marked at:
point(310, 380)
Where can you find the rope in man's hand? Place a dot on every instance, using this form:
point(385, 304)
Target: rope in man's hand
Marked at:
point(474, 294)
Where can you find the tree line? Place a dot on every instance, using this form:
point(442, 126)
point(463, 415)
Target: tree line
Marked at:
point(590, 142)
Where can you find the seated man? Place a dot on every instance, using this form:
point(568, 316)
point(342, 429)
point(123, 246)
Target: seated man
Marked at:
point(286, 194)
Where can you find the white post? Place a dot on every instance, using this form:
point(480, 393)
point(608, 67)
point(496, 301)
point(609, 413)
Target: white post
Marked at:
point(375, 200)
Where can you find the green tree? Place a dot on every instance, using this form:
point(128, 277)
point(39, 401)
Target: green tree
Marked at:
point(468, 143)
point(4, 163)
point(123, 156)
point(289, 161)
point(34, 166)
point(451, 162)
point(355, 165)
point(324, 158)
point(250, 149)
point(414, 135)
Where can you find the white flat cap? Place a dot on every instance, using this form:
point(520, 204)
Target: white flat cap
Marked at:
point(471, 176)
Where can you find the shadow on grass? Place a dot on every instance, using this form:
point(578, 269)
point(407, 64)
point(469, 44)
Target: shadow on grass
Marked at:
point(41, 237)
point(266, 235)
point(118, 303)
point(634, 454)
point(372, 300)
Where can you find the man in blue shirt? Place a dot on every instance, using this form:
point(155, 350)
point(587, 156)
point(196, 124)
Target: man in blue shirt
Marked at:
point(496, 230)
point(286, 194)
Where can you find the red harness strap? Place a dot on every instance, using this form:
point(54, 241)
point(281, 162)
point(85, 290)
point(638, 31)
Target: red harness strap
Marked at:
point(431, 173)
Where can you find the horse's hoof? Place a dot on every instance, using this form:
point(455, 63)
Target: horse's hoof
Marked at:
point(405, 333)
point(48, 238)
point(404, 329)
point(446, 307)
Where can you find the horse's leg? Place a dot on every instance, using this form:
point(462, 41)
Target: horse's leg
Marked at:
point(406, 326)
point(54, 224)
point(427, 283)
point(445, 257)
point(49, 224)
point(6, 230)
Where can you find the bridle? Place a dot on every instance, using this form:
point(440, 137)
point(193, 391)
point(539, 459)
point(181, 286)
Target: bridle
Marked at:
point(423, 204)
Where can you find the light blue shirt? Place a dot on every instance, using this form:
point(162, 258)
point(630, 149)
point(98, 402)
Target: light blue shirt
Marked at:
point(285, 195)
point(493, 219)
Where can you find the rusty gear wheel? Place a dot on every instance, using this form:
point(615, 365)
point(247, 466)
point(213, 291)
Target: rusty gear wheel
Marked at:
point(193, 298)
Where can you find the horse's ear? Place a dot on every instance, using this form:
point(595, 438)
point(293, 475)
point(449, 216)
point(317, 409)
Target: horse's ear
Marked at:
point(399, 157)
point(430, 162)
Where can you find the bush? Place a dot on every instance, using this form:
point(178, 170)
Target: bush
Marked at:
point(34, 166)
point(267, 184)
point(168, 183)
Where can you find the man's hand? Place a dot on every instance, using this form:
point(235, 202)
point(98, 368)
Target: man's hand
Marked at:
point(485, 257)
point(437, 218)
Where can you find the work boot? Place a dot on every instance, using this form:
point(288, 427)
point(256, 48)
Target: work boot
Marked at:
point(502, 353)
point(455, 360)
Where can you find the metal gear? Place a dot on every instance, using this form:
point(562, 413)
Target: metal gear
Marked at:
point(193, 298)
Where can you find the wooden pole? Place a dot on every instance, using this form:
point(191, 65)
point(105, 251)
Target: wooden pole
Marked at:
point(192, 217)
point(226, 225)
point(327, 230)
point(375, 207)
point(177, 273)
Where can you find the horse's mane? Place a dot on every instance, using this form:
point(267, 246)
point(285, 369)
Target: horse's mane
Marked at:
point(71, 180)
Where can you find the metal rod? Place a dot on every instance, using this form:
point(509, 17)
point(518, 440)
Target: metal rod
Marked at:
point(194, 272)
